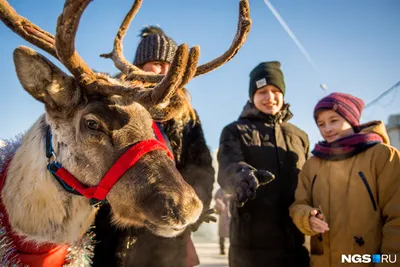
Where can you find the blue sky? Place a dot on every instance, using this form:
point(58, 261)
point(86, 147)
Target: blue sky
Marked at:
point(355, 45)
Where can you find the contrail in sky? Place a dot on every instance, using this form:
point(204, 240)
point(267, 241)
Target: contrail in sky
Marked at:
point(291, 34)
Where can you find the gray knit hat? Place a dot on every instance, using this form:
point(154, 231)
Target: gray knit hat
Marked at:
point(154, 45)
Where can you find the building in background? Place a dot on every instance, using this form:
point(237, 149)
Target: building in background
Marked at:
point(393, 129)
point(2, 143)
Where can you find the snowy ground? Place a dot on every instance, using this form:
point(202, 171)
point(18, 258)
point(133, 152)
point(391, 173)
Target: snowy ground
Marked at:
point(208, 252)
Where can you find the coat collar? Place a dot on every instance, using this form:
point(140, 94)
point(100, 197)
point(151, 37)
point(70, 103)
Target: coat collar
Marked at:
point(251, 112)
point(377, 127)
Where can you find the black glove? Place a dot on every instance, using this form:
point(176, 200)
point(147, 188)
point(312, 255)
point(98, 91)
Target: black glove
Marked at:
point(206, 216)
point(247, 182)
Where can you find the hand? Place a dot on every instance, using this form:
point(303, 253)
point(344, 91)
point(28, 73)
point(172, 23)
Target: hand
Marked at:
point(219, 206)
point(316, 222)
point(247, 182)
point(206, 216)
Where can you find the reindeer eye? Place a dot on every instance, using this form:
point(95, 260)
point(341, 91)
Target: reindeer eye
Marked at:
point(93, 125)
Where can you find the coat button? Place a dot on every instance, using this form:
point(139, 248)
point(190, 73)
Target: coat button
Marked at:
point(246, 217)
point(359, 240)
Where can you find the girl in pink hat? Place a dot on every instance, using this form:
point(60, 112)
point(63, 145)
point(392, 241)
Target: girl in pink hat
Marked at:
point(348, 194)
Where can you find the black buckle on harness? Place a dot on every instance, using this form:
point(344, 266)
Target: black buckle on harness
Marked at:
point(94, 202)
point(53, 167)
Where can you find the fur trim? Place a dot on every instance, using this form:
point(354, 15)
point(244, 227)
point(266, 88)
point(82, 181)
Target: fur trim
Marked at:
point(10, 147)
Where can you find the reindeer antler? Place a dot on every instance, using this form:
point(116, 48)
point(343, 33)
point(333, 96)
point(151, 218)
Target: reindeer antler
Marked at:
point(130, 69)
point(67, 26)
point(243, 29)
point(62, 47)
point(116, 54)
point(27, 30)
point(118, 57)
point(133, 73)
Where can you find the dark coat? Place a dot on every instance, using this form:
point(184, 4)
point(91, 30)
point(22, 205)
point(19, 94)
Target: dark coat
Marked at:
point(118, 247)
point(261, 231)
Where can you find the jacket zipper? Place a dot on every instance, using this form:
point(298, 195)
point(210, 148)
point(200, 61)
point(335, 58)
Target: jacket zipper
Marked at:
point(371, 196)
point(276, 148)
point(312, 184)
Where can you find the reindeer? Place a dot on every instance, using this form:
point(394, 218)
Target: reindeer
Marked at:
point(94, 143)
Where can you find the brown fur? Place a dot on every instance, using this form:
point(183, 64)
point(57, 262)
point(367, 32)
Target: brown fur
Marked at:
point(151, 193)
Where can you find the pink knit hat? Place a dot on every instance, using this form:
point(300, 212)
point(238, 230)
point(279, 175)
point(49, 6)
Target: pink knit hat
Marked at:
point(348, 106)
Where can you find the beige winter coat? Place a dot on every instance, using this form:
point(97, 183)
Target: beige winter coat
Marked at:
point(360, 200)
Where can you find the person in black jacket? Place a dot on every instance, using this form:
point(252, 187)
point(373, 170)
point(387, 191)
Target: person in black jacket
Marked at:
point(262, 147)
point(184, 135)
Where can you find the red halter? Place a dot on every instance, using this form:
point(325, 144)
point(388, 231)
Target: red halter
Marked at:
point(48, 254)
point(98, 193)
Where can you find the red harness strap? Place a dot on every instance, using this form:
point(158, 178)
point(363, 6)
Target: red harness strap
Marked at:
point(127, 160)
point(158, 133)
point(97, 194)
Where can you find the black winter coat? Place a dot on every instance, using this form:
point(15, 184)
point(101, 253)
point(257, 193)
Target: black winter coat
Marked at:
point(261, 232)
point(140, 248)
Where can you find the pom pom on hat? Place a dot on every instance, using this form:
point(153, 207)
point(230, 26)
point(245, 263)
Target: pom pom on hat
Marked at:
point(154, 45)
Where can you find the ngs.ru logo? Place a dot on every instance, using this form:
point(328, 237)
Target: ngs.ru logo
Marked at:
point(367, 258)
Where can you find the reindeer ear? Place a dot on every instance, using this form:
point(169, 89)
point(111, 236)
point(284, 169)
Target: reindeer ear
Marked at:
point(45, 81)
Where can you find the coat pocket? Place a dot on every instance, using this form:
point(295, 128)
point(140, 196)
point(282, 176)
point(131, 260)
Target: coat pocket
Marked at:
point(371, 196)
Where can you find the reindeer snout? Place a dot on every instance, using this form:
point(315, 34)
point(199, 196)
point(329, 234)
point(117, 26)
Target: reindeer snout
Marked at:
point(176, 209)
point(194, 209)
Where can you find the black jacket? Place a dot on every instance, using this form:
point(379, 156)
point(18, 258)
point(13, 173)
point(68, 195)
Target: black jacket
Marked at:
point(138, 247)
point(261, 231)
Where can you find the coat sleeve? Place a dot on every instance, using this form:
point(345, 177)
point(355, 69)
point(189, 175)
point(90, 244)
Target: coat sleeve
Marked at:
point(388, 181)
point(230, 158)
point(307, 147)
point(302, 206)
point(196, 164)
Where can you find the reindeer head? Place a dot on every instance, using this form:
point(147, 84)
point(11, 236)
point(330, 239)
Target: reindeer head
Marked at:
point(95, 119)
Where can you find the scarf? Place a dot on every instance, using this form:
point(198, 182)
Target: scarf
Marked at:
point(346, 147)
